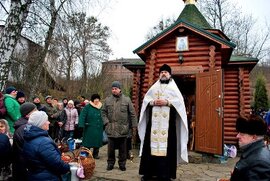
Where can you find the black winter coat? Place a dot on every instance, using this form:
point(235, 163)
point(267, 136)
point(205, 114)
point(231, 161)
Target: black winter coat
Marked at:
point(18, 166)
point(43, 159)
point(5, 150)
point(254, 164)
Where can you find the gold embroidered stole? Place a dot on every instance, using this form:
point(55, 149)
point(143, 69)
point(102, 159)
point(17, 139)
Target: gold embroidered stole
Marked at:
point(159, 130)
point(160, 125)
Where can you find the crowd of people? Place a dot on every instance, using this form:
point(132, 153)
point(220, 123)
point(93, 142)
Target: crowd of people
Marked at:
point(28, 135)
point(29, 132)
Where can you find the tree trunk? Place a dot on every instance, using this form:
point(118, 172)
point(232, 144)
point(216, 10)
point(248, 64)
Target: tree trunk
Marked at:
point(42, 57)
point(10, 35)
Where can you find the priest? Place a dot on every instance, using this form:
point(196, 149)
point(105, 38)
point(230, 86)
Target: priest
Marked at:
point(163, 129)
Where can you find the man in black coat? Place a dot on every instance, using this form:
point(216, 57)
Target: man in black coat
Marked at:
point(18, 168)
point(254, 163)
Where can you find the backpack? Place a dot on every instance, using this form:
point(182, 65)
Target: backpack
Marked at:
point(3, 110)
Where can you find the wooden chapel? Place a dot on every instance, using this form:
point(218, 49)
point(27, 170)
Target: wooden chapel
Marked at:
point(214, 83)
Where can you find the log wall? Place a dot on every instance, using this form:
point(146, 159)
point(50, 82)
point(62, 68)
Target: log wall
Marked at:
point(237, 99)
point(200, 53)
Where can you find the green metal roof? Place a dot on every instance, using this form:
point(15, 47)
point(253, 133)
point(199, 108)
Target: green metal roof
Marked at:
point(189, 25)
point(235, 58)
point(191, 14)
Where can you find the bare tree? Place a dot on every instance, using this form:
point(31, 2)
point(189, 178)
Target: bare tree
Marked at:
point(39, 27)
point(10, 35)
point(91, 39)
point(64, 42)
point(239, 27)
point(162, 25)
point(54, 13)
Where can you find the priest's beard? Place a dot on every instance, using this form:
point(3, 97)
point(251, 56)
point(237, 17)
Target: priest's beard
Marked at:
point(164, 80)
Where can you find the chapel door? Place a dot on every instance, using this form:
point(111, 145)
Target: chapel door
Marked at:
point(209, 121)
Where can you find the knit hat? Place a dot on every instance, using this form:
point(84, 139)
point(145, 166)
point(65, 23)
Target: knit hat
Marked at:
point(47, 97)
point(95, 96)
point(26, 108)
point(71, 102)
point(10, 89)
point(35, 96)
point(165, 67)
point(38, 118)
point(253, 125)
point(20, 94)
point(116, 84)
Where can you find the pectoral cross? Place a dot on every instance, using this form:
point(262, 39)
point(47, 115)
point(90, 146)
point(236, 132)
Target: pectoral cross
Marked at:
point(158, 94)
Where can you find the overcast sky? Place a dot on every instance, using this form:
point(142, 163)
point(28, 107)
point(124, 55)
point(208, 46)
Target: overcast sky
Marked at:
point(130, 20)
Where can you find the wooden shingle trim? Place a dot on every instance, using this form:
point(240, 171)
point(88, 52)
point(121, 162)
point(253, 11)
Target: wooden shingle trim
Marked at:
point(212, 59)
point(152, 61)
point(241, 92)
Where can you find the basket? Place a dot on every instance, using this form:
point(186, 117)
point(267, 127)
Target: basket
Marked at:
point(88, 162)
point(62, 145)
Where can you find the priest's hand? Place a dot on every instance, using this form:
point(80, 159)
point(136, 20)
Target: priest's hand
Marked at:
point(160, 102)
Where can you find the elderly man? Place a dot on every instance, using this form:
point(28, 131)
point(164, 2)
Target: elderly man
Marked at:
point(254, 163)
point(163, 129)
point(116, 112)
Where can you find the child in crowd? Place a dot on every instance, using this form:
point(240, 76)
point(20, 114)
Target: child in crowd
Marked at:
point(4, 129)
point(72, 119)
point(5, 150)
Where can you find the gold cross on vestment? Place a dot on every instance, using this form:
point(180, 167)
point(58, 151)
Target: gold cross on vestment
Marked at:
point(159, 94)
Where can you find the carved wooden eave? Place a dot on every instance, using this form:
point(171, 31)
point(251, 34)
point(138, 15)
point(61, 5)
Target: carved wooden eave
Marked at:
point(236, 61)
point(218, 33)
point(242, 63)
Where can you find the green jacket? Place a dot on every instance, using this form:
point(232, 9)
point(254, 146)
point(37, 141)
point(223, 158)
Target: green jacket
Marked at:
point(118, 113)
point(13, 111)
point(52, 113)
point(91, 122)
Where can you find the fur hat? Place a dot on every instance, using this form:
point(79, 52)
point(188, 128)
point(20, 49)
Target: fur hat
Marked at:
point(38, 118)
point(10, 89)
point(253, 125)
point(20, 94)
point(165, 67)
point(26, 108)
point(95, 96)
point(116, 84)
